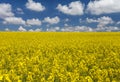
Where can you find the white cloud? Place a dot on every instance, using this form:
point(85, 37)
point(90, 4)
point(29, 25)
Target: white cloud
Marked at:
point(5, 10)
point(103, 24)
point(91, 20)
point(21, 29)
point(80, 20)
point(38, 30)
point(33, 22)
point(20, 11)
point(35, 6)
point(118, 22)
point(7, 29)
point(66, 20)
point(20, 21)
point(14, 20)
point(102, 21)
point(83, 28)
point(89, 29)
point(98, 7)
point(77, 28)
point(65, 25)
point(57, 28)
point(31, 30)
point(53, 29)
point(74, 8)
point(109, 28)
point(8, 16)
point(53, 20)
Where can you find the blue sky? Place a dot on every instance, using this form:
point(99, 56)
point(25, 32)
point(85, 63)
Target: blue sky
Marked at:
point(60, 15)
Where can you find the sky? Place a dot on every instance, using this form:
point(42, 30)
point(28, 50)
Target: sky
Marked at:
point(59, 15)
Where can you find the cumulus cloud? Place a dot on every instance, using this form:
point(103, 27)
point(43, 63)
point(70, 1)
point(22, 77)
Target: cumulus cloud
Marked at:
point(107, 28)
point(74, 8)
point(21, 29)
point(103, 24)
point(118, 22)
point(98, 7)
point(89, 29)
point(14, 20)
point(33, 22)
point(7, 29)
point(53, 29)
point(38, 30)
point(35, 6)
point(20, 11)
point(53, 20)
point(57, 28)
point(65, 25)
point(102, 21)
point(8, 16)
point(5, 10)
point(66, 20)
point(91, 20)
point(31, 30)
point(77, 28)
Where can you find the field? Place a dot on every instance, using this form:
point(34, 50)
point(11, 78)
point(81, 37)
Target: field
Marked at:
point(59, 57)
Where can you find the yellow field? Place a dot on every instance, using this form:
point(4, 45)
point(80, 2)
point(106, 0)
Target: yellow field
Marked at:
point(59, 57)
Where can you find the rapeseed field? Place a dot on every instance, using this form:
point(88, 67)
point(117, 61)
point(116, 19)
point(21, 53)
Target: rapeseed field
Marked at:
point(59, 57)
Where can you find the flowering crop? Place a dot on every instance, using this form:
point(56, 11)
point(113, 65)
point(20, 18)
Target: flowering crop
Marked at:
point(59, 57)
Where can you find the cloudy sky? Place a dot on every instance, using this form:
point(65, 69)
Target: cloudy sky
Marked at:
point(60, 15)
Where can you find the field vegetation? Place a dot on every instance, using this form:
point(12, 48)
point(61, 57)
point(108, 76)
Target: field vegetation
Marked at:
point(59, 57)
